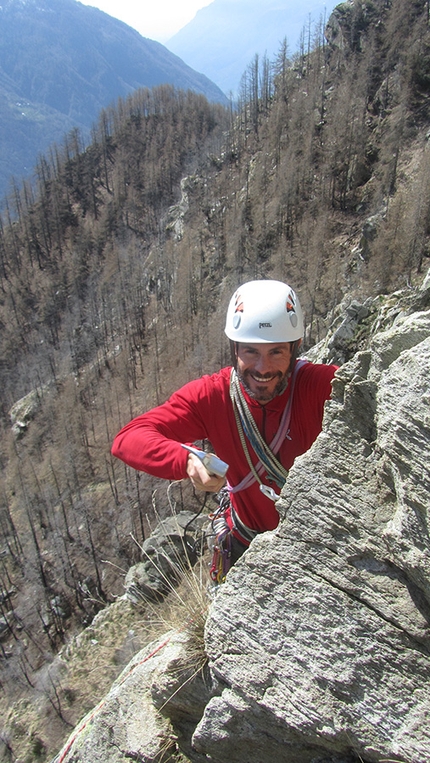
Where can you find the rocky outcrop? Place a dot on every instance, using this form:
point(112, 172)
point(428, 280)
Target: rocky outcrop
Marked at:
point(348, 24)
point(169, 551)
point(318, 643)
point(335, 605)
point(177, 212)
point(24, 411)
point(129, 724)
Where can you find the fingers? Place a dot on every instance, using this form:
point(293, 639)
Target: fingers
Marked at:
point(200, 478)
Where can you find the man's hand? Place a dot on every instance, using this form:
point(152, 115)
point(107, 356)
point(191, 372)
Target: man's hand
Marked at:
point(200, 478)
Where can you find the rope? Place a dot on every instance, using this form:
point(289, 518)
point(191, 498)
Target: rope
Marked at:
point(246, 426)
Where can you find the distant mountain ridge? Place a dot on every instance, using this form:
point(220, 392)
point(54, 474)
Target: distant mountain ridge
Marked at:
point(61, 62)
point(224, 37)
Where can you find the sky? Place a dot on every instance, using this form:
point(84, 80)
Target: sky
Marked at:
point(157, 19)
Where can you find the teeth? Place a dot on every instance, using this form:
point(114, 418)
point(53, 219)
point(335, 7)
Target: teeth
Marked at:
point(263, 379)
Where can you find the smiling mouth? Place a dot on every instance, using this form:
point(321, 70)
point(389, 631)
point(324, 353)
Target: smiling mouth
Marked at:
point(263, 379)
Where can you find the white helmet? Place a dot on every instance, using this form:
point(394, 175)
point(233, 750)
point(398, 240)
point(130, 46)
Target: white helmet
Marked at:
point(264, 311)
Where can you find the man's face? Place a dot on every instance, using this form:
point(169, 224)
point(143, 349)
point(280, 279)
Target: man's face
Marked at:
point(263, 369)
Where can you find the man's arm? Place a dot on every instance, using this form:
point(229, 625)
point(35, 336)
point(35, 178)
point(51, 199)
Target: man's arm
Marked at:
point(152, 442)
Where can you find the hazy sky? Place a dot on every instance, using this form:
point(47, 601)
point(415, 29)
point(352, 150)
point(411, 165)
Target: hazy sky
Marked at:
point(156, 19)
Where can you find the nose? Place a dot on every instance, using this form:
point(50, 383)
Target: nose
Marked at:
point(263, 365)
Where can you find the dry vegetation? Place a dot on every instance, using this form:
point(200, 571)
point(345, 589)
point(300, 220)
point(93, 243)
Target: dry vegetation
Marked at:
point(113, 286)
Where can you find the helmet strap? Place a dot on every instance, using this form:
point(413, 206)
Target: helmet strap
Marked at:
point(294, 347)
point(233, 353)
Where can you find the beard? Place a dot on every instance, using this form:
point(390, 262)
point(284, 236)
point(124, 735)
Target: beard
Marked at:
point(263, 394)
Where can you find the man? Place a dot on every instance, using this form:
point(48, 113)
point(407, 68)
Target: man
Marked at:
point(258, 415)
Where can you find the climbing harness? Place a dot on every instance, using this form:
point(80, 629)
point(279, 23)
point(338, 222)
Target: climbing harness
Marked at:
point(230, 540)
point(221, 559)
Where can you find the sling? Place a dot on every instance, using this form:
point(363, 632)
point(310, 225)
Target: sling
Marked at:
point(266, 453)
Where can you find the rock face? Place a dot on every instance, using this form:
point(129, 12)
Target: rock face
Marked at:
point(318, 643)
point(166, 555)
point(127, 724)
point(23, 411)
point(330, 654)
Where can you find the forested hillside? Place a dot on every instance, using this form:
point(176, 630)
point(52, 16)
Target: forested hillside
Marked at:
point(60, 63)
point(116, 267)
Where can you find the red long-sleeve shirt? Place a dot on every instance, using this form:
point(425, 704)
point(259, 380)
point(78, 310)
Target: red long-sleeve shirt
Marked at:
point(202, 409)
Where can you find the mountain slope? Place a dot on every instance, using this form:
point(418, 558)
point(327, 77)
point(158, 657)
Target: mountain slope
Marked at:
point(224, 36)
point(60, 63)
point(114, 281)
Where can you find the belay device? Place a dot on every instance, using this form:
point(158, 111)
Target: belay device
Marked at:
point(210, 461)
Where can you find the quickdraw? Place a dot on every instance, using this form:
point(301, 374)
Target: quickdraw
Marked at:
point(221, 559)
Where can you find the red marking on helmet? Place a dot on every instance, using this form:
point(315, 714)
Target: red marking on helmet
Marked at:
point(238, 305)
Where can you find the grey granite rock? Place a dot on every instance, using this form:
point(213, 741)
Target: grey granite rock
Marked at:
point(318, 643)
point(331, 651)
